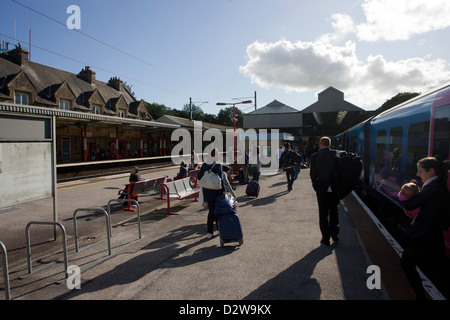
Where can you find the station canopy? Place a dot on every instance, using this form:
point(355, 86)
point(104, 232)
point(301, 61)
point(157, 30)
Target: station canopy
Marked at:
point(331, 114)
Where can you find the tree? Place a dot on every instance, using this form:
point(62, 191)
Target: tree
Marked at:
point(156, 110)
point(225, 117)
point(197, 112)
point(396, 100)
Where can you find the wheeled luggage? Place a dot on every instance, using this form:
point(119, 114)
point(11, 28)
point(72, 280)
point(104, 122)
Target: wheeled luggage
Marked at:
point(243, 177)
point(230, 229)
point(252, 189)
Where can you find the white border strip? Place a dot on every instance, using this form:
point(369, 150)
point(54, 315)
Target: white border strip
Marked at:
point(428, 285)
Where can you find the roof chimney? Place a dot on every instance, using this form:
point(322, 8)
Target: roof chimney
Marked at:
point(87, 75)
point(19, 55)
point(116, 83)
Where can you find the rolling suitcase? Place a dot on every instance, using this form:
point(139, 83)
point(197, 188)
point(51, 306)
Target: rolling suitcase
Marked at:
point(252, 189)
point(230, 229)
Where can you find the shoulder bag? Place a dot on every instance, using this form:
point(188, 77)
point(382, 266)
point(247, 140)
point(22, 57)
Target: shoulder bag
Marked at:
point(210, 180)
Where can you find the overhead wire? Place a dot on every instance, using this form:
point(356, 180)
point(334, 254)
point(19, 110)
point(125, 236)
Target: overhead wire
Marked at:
point(94, 66)
point(114, 48)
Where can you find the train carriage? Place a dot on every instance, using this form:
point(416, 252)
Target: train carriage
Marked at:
point(392, 143)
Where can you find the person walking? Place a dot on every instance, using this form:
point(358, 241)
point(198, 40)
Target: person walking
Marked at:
point(210, 195)
point(298, 160)
point(286, 164)
point(324, 177)
point(425, 243)
point(255, 163)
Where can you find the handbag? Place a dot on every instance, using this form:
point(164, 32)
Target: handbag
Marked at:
point(225, 204)
point(210, 180)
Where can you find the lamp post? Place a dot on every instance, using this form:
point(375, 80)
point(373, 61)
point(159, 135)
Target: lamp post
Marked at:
point(234, 121)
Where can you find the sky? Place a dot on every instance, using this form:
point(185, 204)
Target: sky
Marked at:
point(226, 50)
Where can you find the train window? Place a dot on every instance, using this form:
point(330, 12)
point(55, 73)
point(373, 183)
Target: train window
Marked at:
point(441, 134)
point(381, 148)
point(395, 149)
point(417, 146)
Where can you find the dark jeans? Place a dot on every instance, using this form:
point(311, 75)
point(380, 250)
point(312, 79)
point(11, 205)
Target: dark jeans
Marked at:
point(290, 173)
point(420, 251)
point(328, 214)
point(255, 173)
point(211, 217)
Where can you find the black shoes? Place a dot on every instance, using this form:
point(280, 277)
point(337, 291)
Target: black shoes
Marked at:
point(326, 242)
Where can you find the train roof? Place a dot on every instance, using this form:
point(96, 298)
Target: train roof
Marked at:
point(411, 103)
point(406, 106)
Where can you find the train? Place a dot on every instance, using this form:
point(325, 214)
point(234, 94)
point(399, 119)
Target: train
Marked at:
point(392, 142)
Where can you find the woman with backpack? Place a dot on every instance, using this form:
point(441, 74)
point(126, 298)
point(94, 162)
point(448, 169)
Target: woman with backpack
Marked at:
point(210, 194)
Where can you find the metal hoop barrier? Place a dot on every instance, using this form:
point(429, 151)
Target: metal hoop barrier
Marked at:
point(5, 271)
point(63, 230)
point(137, 207)
point(108, 226)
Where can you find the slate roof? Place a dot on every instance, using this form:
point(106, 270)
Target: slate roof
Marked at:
point(47, 80)
point(274, 107)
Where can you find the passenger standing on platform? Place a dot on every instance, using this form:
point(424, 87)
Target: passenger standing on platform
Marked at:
point(323, 175)
point(280, 152)
point(426, 241)
point(194, 160)
point(210, 195)
point(297, 162)
point(255, 163)
point(286, 164)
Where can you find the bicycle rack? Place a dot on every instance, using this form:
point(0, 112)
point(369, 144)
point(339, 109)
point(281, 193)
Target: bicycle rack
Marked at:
point(108, 226)
point(138, 211)
point(63, 230)
point(5, 271)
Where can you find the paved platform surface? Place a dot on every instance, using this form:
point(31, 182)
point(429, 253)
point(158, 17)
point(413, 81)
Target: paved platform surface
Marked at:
point(281, 257)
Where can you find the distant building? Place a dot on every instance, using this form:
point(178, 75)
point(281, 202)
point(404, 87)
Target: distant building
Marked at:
point(330, 115)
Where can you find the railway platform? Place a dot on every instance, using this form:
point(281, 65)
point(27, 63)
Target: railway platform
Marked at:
point(167, 257)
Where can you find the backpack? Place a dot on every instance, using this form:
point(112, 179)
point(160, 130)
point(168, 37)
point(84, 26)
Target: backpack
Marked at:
point(287, 160)
point(349, 166)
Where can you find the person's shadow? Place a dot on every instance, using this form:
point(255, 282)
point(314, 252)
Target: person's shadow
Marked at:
point(296, 282)
point(166, 252)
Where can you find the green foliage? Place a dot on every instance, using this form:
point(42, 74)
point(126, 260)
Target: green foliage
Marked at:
point(396, 100)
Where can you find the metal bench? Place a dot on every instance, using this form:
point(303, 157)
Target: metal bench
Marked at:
point(134, 188)
point(179, 189)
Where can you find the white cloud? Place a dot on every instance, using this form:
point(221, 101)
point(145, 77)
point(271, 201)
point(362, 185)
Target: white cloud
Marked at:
point(304, 66)
point(400, 19)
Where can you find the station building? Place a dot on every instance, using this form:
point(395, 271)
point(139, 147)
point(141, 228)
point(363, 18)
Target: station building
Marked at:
point(330, 115)
point(95, 120)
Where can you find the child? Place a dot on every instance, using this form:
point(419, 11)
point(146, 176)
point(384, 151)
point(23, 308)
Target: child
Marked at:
point(408, 191)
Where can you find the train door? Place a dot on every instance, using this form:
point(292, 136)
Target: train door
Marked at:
point(440, 146)
point(440, 134)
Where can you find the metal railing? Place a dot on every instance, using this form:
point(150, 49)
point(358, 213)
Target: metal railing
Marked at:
point(5, 271)
point(63, 230)
point(108, 225)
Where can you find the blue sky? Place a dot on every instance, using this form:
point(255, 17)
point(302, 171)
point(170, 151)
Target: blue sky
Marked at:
point(219, 50)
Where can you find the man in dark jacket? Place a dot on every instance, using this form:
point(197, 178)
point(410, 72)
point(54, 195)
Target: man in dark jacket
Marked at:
point(286, 163)
point(323, 175)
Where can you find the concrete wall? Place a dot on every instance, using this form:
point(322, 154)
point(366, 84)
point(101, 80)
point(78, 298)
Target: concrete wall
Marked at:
point(26, 159)
point(26, 172)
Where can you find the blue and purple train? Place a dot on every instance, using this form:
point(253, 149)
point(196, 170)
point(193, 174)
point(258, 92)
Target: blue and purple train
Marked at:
point(392, 143)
